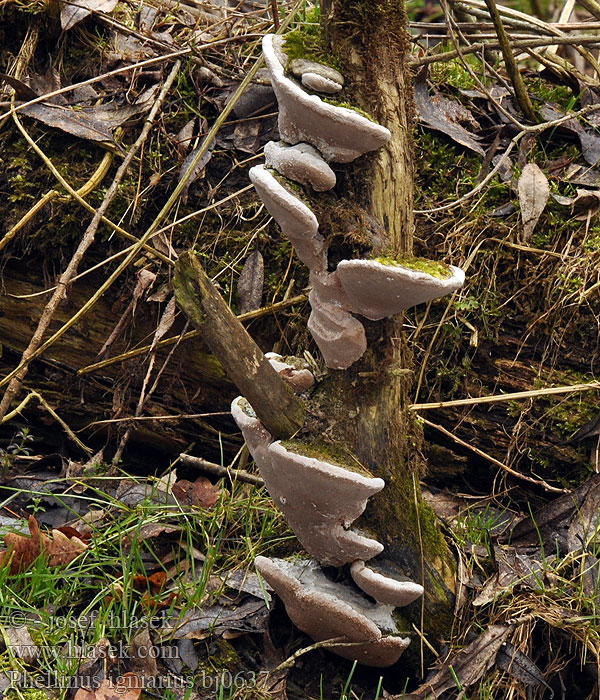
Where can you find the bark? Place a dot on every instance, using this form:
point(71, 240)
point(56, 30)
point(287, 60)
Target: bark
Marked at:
point(279, 410)
point(373, 419)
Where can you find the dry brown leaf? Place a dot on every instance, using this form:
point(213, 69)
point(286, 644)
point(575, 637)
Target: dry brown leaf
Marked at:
point(128, 687)
point(72, 13)
point(22, 551)
point(466, 666)
point(533, 196)
point(198, 493)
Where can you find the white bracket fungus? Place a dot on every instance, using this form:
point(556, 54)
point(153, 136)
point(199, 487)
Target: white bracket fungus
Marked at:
point(299, 67)
point(297, 221)
point(320, 500)
point(319, 497)
point(301, 379)
point(341, 134)
point(301, 163)
point(316, 82)
point(378, 290)
point(384, 589)
point(326, 610)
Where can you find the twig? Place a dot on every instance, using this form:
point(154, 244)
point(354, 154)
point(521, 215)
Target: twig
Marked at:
point(35, 346)
point(498, 398)
point(249, 316)
point(52, 412)
point(218, 470)
point(493, 460)
point(594, 41)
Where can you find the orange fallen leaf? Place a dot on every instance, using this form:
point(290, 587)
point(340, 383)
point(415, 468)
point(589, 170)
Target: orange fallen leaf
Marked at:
point(22, 551)
point(197, 493)
point(128, 687)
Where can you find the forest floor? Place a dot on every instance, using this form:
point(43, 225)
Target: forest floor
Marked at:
point(120, 560)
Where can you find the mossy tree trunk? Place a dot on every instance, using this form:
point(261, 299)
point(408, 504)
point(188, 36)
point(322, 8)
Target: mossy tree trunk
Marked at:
point(371, 38)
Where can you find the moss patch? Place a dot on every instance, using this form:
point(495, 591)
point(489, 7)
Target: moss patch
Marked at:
point(430, 267)
point(347, 105)
point(336, 454)
point(307, 42)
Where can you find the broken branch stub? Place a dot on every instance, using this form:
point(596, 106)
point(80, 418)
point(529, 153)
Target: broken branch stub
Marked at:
point(280, 411)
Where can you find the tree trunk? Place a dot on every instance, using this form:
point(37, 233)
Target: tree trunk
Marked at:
point(372, 40)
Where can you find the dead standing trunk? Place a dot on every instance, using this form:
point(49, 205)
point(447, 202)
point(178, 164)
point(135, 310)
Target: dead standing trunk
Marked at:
point(372, 40)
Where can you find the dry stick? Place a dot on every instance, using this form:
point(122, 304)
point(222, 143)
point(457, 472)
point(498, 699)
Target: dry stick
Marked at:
point(218, 470)
point(519, 44)
point(52, 412)
point(145, 396)
point(279, 410)
point(116, 71)
point(249, 316)
point(538, 482)
point(161, 214)
point(96, 178)
point(498, 398)
point(88, 238)
point(511, 64)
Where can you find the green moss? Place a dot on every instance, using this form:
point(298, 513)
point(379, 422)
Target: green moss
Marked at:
point(336, 454)
point(347, 105)
point(430, 267)
point(307, 42)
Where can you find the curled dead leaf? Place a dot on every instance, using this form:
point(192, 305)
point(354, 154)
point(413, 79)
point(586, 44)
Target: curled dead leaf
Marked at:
point(534, 191)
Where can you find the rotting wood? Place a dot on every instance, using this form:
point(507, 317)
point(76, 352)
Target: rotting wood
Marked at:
point(280, 411)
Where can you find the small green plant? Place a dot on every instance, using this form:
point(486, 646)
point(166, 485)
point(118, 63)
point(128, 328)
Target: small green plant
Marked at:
point(18, 446)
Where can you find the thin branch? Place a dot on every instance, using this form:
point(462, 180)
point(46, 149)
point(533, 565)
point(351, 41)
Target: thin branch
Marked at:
point(249, 316)
point(509, 470)
point(499, 398)
point(35, 346)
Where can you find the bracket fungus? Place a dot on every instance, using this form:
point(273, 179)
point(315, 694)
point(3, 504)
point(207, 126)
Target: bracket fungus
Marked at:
point(301, 163)
point(297, 221)
point(384, 589)
point(340, 134)
point(327, 610)
point(301, 379)
point(377, 290)
point(319, 499)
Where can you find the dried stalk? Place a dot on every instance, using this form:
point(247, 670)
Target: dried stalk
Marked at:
point(498, 398)
point(17, 376)
point(249, 316)
point(509, 470)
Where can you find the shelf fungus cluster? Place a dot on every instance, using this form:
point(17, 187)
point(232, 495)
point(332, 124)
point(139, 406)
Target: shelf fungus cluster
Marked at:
point(320, 496)
point(321, 499)
point(315, 133)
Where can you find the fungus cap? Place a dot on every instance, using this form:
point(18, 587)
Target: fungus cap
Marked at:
point(301, 379)
point(320, 500)
point(296, 220)
point(340, 337)
point(301, 163)
point(326, 610)
point(378, 290)
point(341, 134)
point(298, 67)
point(384, 589)
point(318, 83)
point(256, 436)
